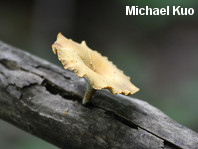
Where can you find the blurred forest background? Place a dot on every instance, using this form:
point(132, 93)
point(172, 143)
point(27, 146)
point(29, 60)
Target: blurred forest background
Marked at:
point(159, 53)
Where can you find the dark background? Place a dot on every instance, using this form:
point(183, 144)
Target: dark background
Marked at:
point(159, 53)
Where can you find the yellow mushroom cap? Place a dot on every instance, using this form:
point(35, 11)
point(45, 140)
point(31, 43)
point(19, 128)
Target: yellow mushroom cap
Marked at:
point(85, 62)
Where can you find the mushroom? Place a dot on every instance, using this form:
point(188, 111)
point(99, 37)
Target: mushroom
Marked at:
point(98, 72)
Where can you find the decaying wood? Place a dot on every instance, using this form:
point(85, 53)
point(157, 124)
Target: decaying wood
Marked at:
point(45, 100)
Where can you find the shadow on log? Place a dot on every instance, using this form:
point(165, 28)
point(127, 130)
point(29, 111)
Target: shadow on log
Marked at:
point(45, 100)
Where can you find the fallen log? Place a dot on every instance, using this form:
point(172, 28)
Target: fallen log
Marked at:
point(45, 100)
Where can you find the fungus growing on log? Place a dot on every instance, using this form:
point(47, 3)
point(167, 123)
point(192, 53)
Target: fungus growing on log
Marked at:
point(98, 72)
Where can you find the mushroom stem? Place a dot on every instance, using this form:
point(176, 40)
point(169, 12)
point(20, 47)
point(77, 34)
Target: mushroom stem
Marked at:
point(88, 94)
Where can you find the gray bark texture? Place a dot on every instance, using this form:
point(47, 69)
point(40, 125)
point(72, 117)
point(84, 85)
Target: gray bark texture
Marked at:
point(45, 100)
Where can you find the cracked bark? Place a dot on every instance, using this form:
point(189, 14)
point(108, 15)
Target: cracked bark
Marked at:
point(45, 100)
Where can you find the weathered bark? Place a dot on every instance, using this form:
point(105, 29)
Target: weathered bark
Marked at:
point(45, 100)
